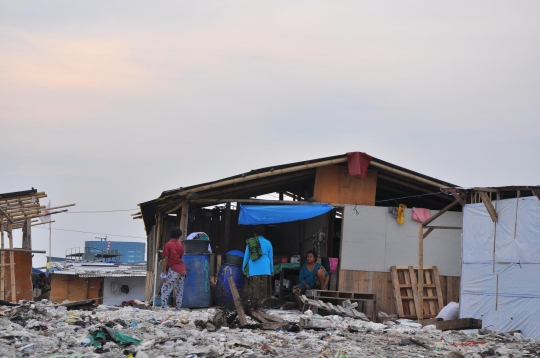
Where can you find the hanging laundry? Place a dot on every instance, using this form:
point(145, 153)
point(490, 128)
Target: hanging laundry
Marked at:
point(393, 210)
point(401, 214)
point(420, 214)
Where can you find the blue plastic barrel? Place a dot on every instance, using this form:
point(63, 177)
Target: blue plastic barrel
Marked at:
point(223, 290)
point(197, 282)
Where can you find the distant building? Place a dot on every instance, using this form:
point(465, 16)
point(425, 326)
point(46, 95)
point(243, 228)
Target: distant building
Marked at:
point(125, 252)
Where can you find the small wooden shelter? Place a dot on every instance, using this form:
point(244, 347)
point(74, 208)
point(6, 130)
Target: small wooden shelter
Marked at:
point(348, 182)
point(19, 210)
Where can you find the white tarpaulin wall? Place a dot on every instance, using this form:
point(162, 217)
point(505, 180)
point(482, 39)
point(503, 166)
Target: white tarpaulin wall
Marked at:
point(500, 276)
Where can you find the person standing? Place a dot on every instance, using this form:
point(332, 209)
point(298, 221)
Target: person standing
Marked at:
point(258, 262)
point(173, 268)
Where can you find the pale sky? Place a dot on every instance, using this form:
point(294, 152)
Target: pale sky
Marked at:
point(107, 104)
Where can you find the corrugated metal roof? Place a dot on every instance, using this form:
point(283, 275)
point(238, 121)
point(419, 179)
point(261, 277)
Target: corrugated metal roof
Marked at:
point(96, 270)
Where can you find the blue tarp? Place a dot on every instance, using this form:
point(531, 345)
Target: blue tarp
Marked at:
point(274, 214)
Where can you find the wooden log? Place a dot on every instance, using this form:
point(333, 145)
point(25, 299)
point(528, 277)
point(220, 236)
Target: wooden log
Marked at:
point(420, 297)
point(459, 324)
point(489, 206)
point(237, 302)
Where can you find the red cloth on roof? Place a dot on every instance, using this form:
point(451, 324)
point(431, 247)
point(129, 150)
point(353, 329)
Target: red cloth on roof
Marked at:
point(358, 163)
point(174, 250)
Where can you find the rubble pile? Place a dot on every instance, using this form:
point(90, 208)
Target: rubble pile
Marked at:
point(45, 330)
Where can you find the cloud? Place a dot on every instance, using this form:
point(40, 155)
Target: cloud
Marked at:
point(60, 63)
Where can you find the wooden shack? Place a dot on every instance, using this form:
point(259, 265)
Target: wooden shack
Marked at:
point(348, 182)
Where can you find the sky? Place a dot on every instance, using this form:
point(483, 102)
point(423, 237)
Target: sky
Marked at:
point(107, 104)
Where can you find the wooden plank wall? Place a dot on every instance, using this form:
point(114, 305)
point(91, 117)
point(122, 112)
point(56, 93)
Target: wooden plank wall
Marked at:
point(380, 283)
point(23, 279)
point(74, 288)
point(334, 185)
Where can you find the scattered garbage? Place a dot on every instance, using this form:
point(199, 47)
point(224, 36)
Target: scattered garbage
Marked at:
point(46, 330)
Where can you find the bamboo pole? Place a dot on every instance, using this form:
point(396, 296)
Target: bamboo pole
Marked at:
point(12, 265)
point(46, 222)
point(38, 215)
point(420, 306)
point(262, 175)
point(24, 198)
point(407, 175)
point(37, 210)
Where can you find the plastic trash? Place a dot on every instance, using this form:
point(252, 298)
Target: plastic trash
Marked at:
point(163, 276)
point(28, 346)
point(134, 324)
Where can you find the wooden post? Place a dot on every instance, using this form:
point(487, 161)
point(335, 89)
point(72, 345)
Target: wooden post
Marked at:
point(184, 219)
point(227, 235)
point(12, 264)
point(2, 262)
point(27, 234)
point(420, 307)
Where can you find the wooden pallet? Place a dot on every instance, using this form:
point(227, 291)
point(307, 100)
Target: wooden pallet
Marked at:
point(329, 307)
point(405, 284)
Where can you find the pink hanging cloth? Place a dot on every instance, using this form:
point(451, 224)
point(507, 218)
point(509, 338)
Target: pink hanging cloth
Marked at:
point(358, 163)
point(420, 214)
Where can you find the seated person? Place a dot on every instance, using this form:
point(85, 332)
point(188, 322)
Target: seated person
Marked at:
point(312, 276)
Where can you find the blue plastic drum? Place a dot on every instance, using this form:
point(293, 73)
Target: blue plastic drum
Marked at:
point(197, 282)
point(223, 290)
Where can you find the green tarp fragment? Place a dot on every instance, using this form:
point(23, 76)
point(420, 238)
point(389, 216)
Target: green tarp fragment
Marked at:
point(100, 337)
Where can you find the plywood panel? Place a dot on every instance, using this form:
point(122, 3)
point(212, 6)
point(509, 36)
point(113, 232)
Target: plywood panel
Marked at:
point(23, 280)
point(59, 287)
point(94, 287)
point(334, 185)
point(77, 288)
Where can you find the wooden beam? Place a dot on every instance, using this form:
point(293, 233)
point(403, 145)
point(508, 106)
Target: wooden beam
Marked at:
point(444, 227)
point(428, 232)
point(46, 222)
point(407, 175)
point(22, 217)
point(459, 324)
point(489, 206)
point(4, 214)
point(409, 185)
point(184, 219)
point(237, 302)
point(489, 190)
point(262, 175)
point(442, 211)
point(23, 250)
point(536, 192)
point(24, 198)
point(33, 211)
point(12, 265)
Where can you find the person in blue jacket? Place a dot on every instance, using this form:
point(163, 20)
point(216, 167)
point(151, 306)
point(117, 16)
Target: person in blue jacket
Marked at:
point(259, 256)
point(312, 276)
